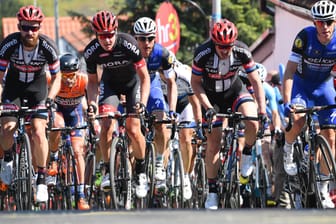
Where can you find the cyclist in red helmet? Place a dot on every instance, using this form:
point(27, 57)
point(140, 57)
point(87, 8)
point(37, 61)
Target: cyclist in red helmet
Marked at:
point(124, 73)
point(24, 56)
point(215, 82)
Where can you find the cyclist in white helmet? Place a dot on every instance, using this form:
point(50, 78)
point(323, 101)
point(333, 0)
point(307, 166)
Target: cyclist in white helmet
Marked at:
point(157, 57)
point(308, 79)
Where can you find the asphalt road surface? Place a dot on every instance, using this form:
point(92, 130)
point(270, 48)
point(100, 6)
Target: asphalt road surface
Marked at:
point(246, 216)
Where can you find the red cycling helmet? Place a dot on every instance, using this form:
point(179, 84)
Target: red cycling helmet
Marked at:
point(104, 21)
point(30, 13)
point(224, 33)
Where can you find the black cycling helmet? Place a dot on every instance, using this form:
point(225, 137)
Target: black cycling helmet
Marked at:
point(69, 63)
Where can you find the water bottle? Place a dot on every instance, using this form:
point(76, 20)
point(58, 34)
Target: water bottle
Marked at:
point(306, 155)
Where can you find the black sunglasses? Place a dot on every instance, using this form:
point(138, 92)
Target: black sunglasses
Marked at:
point(26, 28)
point(224, 46)
point(322, 23)
point(105, 35)
point(143, 39)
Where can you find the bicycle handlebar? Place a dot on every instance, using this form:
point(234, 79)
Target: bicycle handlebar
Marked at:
point(24, 111)
point(309, 110)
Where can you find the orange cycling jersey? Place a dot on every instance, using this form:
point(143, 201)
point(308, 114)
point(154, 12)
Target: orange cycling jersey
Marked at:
point(72, 96)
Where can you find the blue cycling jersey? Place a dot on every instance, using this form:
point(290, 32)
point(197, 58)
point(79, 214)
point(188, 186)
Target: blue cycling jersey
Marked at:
point(159, 58)
point(312, 79)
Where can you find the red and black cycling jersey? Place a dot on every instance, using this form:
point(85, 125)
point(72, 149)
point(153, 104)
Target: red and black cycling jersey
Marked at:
point(219, 75)
point(119, 65)
point(19, 70)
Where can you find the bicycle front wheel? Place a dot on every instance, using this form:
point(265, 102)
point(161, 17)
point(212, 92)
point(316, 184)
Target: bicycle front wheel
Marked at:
point(199, 184)
point(324, 168)
point(150, 166)
point(120, 175)
point(24, 175)
point(176, 182)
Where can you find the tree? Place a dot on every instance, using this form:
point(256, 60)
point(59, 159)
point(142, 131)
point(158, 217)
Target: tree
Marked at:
point(250, 21)
point(8, 9)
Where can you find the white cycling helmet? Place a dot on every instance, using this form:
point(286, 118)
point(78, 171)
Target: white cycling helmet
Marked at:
point(262, 72)
point(144, 27)
point(324, 10)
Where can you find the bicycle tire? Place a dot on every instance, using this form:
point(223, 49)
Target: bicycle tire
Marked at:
point(298, 185)
point(322, 147)
point(260, 188)
point(176, 198)
point(120, 175)
point(150, 169)
point(234, 187)
point(199, 184)
point(90, 178)
point(71, 179)
point(24, 175)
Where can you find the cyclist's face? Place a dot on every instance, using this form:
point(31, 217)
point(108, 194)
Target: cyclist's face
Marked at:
point(325, 30)
point(146, 44)
point(107, 40)
point(223, 51)
point(29, 32)
point(69, 79)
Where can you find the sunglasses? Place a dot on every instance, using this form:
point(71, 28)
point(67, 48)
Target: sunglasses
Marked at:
point(68, 75)
point(322, 23)
point(26, 28)
point(144, 39)
point(105, 35)
point(222, 47)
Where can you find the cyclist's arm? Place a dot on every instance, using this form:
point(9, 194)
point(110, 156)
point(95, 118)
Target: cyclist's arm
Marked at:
point(258, 89)
point(273, 106)
point(144, 83)
point(288, 81)
point(196, 83)
point(171, 92)
point(92, 89)
point(55, 85)
point(196, 107)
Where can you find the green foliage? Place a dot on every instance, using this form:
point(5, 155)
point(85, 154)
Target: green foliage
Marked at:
point(194, 16)
point(250, 21)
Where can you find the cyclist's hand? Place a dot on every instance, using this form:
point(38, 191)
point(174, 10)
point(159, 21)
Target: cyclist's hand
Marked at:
point(199, 132)
point(264, 120)
point(140, 108)
point(173, 115)
point(210, 114)
point(288, 109)
point(50, 104)
point(92, 110)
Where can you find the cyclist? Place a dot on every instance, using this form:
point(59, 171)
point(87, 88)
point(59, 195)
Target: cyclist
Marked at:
point(123, 72)
point(23, 57)
point(272, 113)
point(187, 105)
point(69, 113)
point(216, 84)
point(157, 57)
point(307, 79)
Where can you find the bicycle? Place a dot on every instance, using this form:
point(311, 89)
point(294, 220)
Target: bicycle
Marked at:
point(258, 190)
point(229, 188)
point(23, 172)
point(65, 191)
point(198, 178)
point(306, 193)
point(93, 172)
point(173, 197)
point(120, 164)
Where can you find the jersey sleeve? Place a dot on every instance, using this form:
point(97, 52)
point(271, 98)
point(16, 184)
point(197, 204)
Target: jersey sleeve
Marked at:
point(90, 57)
point(51, 52)
point(6, 47)
point(298, 46)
